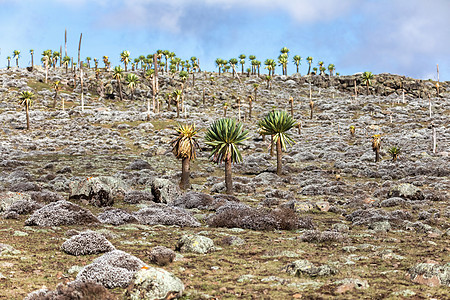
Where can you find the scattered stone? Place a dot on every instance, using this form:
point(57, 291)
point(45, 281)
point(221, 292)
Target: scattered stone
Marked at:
point(431, 274)
point(404, 293)
point(8, 198)
point(232, 240)
point(154, 283)
point(323, 206)
point(195, 244)
point(162, 256)
point(300, 267)
point(349, 284)
point(24, 207)
point(20, 233)
point(382, 226)
point(165, 191)
point(407, 191)
point(99, 191)
point(245, 278)
point(340, 227)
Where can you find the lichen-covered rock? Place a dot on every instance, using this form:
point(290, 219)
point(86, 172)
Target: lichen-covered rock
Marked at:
point(112, 269)
point(24, 207)
point(88, 242)
point(8, 198)
point(195, 244)
point(165, 191)
point(61, 213)
point(154, 283)
point(99, 191)
point(165, 215)
point(382, 226)
point(232, 240)
point(116, 216)
point(407, 191)
point(303, 266)
point(161, 255)
point(431, 274)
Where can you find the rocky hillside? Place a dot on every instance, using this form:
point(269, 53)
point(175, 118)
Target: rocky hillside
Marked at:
point(92, 194)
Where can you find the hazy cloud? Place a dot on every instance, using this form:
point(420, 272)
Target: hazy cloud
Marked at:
point(398, 36)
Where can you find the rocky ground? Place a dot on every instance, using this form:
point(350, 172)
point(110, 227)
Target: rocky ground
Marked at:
point(92, 195)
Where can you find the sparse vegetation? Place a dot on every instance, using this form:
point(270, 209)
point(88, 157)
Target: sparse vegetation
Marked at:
point(270, 226)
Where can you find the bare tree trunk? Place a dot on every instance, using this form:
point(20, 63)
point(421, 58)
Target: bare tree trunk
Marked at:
point(310, 90)
point(228, 178)
point(185, 173)
point(81, 83)
point(178, 106)
point(429, 104)
point(279, 155)
point(54, 99)
point(60, 56)
point(79, 49)
point(28, 116)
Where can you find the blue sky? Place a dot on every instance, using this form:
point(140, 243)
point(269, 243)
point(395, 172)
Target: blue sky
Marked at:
point(407, 37)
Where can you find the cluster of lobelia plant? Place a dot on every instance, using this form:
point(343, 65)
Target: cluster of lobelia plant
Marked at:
point(224, 136)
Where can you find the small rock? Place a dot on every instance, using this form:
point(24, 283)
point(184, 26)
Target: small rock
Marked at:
point(382, 226)
point(430, 274)
point(407, 191)
point(323, 205)
point(299, 267)
point(162, 256)
point(154, 283)
point(196, 244)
